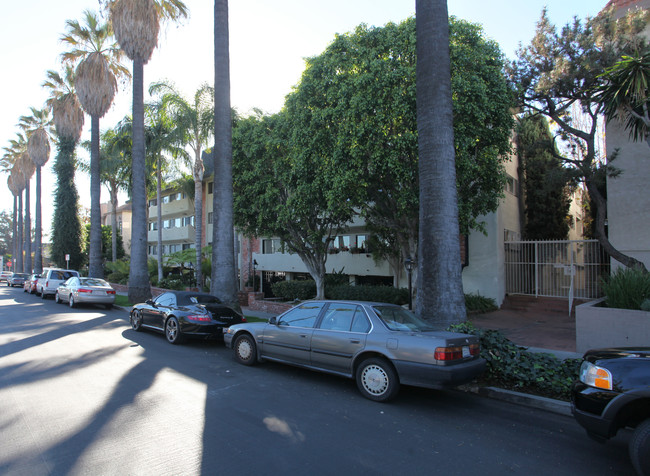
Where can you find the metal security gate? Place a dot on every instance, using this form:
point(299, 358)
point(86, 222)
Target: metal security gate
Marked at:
point(568, 269)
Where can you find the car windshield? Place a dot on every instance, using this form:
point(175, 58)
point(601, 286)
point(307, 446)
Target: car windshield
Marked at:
point(93, 282)
point(399, 319)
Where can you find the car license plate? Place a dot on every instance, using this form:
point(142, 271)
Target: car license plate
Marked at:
point(466, 351)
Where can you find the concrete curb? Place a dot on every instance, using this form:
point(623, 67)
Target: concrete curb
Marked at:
point(543, 403)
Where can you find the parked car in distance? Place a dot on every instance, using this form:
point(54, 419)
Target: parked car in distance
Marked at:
point(380, 345)
point(184, 313)
point(17, 279)
point(613, 392)
point(4, 275)
point(51, 279)
point(78, 290)
point(29, 286)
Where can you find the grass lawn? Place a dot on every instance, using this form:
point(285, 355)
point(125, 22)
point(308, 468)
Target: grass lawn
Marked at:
point(122, 301)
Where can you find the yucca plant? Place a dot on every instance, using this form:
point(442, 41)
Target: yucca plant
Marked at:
point(627, 288)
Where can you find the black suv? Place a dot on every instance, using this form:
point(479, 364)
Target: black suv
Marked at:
point(613, 393)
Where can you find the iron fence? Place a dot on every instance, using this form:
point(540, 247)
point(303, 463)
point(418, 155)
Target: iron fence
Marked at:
point(567, 269)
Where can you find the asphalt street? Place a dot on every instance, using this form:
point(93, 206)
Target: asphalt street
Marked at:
point(81, 393)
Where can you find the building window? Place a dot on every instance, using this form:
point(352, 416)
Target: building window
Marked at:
point(271, 246)
point(153, 250)
point(210, 186)
point(119, 225)
point(173, 248)
point(153, 225)
point(188, 221)
point(512, 185)
point(153, 202)
point(362, 243)
point(209, 218)
point(188, 246)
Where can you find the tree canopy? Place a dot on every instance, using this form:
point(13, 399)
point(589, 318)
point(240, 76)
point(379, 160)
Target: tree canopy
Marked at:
point(559, 71)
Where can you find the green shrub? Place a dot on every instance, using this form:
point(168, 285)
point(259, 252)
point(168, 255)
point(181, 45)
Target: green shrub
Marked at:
point(292, 290)
point(479, 304)
point(172, 283)
point(118, 271)
point(627, 288)
point(511, 366)
point(368, 293)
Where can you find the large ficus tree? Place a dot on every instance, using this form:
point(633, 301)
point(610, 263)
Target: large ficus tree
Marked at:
point(559, 70)
point(355, 108)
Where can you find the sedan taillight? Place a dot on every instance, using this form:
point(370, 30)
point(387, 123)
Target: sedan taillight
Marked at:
point(110, 292)
point(82, 290)
point(198, 318)
point(456, 352)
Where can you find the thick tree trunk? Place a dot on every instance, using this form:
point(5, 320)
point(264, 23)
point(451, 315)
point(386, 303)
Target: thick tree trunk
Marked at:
point(439, 297)
point(28, 229)
point(159, 250)
point(19, 259)
point(223, 283)
point(198, 219)
point(95, 268)
point(14, 236)
point(599, 229)
point(114, 223)
point(139, 286)
point(38, 238)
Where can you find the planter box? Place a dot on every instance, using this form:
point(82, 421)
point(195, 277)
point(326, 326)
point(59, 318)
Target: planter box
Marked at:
point(598, 327)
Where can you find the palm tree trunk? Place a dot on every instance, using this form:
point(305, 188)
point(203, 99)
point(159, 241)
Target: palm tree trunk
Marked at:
point(159, 250)
point(28, 229)
point(440, 289)
point(95, 269)
point(14, 235)
point(19, 258)
point(38, 245)
point(113, 193)
point(139, 287)
point(224, 282)
point(198, 220)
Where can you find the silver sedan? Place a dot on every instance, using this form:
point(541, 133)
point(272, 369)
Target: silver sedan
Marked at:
point(380, 345)
point(85, 290)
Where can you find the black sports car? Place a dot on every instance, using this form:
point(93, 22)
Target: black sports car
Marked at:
point(185, 313)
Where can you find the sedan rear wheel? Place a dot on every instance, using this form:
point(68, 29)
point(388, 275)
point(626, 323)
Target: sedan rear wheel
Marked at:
point(43, 295)
point(245, 350)
point(377, 380)
point(57, 298)
point(173, 331)
point(71, 302)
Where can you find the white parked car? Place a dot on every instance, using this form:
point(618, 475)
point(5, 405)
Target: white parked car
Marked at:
point(52, 279)
point(85, 290)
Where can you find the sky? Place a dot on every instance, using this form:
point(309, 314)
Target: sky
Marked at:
point(269, 41)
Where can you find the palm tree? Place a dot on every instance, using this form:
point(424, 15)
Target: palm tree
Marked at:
point(224, 278)
point(68, 122)
point(27, 167)
point(38, 128)
point(626, 94)
point(161, 135)
point(19, 183)
point(440, 288)
point(194, 126)
point(98, 67)
point(14, 191)
point(136, 26)
point(115, 170)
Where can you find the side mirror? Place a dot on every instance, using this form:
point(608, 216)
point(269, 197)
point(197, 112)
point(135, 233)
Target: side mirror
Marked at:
point(150, 302)
point(273, 321)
